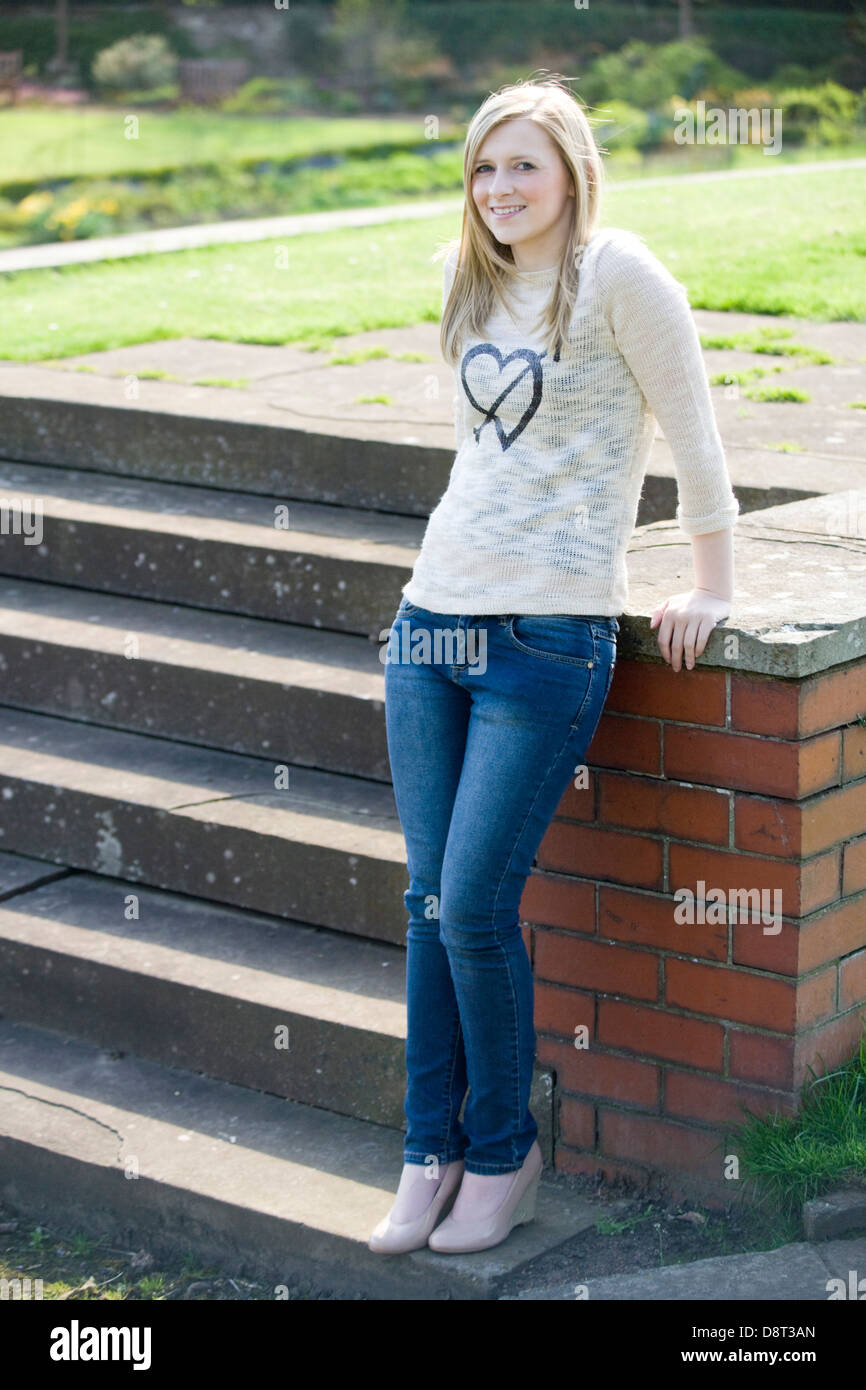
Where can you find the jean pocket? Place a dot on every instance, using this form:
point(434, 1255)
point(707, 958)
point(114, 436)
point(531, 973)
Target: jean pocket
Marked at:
point(554, 637)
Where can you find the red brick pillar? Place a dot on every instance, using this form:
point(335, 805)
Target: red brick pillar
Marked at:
point(736, 781)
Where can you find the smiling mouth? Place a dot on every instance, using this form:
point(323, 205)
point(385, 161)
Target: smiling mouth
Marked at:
point(508, 212)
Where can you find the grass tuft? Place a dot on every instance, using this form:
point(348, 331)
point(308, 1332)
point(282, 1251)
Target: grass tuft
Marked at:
point(790, 1159)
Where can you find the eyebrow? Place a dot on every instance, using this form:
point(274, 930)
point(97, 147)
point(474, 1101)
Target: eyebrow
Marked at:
point(511, 156)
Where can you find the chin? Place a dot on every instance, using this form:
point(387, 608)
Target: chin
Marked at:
point(510, 240)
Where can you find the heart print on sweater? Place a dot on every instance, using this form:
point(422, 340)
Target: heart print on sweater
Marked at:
point(525, 379)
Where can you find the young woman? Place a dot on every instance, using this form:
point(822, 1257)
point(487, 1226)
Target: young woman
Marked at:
point(569, 339)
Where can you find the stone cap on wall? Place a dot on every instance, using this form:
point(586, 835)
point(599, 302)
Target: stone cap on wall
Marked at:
point(799, 587)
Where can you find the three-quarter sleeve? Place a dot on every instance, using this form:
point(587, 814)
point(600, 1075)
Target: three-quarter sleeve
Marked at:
point(648, 312)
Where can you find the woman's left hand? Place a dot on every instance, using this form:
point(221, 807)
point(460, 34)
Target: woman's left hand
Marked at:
point(685, 623)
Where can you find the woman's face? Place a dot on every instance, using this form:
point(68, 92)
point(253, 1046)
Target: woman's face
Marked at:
point(522, 188)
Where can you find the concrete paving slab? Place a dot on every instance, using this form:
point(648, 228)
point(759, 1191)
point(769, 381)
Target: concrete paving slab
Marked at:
point(310, 385)
point(188, 359)
point(839, 337)
point(792, 1273)
point(846, 1260)
point(826, 424)
point(306, 386)
point(191, 359)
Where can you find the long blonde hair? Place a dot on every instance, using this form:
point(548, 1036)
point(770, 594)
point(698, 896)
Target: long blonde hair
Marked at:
point(485, 266)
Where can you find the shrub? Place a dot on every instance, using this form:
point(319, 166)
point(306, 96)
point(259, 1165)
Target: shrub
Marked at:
point(263, 96)
point(618, 126)
point(822, 115)
point(646, 76)
point(142, 61)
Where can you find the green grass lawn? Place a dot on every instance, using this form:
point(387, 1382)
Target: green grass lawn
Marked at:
point(780, 245)
point(39, 143)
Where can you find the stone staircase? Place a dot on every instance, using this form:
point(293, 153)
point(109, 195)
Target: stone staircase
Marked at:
point(202, 1013)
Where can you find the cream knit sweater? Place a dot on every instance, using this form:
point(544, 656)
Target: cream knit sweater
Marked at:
point(551, 452)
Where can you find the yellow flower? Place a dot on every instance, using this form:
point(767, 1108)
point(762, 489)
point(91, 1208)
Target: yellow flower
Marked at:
point(32, 205)
point(73, 212)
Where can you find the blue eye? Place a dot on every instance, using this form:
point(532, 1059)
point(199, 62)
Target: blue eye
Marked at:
point(521, 161)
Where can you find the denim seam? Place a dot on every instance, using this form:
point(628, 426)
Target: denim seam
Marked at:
point(578, 662)
point(576, 721)
point(515, 1034)
point(541, 783)
point(415, 1156)
point(451, 1153)
point(450, 1117)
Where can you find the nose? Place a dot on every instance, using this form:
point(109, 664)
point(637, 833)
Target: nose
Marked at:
point(501, 184)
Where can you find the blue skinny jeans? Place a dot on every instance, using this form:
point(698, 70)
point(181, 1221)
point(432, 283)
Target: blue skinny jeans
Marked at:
point(487, 719)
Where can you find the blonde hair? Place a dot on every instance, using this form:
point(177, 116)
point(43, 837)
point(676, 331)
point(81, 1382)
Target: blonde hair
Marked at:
point(484, 265)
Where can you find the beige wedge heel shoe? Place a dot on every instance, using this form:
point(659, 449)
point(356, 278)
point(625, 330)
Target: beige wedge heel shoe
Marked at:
point(517, 1207)
point(398, 1237)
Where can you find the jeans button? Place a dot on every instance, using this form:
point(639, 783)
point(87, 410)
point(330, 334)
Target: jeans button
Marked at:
point(589, 663)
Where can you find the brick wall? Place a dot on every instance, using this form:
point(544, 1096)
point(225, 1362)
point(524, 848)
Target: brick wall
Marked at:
point(742, 781)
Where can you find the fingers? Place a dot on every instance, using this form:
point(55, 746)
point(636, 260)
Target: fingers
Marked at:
point(681, 637)
point(706, 627)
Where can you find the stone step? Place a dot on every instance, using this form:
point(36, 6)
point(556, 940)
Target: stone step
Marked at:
point(177, 445)
point(302, 1012)
point(153, 1156)
point(246, 685)
point(317, 847)
point(310, 563)
point(19, 873)
point(209, 437)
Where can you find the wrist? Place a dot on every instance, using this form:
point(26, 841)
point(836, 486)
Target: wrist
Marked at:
point(725, 598)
